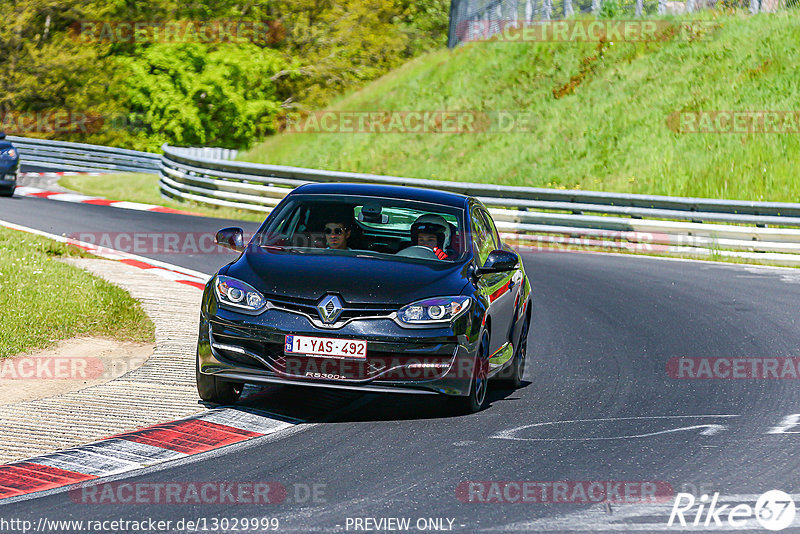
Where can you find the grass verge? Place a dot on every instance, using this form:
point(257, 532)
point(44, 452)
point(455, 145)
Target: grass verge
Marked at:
point(46, 300)
point(601, 114)
point(140, 187)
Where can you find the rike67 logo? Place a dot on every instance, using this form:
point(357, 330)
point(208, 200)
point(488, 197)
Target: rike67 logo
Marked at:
point(774, 510)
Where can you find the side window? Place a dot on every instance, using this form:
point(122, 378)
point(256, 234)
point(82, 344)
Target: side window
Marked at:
point(492, 230)
point(482, 240)
point(283, 230)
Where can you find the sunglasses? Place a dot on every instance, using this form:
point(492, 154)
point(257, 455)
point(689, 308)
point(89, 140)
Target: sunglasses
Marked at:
point(334, 231)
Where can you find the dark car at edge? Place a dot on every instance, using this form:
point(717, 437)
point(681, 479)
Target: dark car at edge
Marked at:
point(382, 314)
point(9, 167)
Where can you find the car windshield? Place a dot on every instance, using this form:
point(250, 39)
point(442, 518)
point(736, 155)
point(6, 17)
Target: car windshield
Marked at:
point(378, 227)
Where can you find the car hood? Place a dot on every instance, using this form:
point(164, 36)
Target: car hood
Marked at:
point(357, 279)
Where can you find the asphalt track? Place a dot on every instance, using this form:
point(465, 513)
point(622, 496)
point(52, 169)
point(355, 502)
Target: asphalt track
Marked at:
point(597, 405)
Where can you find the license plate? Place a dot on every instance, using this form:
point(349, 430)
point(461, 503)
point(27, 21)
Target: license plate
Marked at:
point(326, 346)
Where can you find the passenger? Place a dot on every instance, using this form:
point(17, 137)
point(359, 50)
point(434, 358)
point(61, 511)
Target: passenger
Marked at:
point(336, 235)
point(433, 232)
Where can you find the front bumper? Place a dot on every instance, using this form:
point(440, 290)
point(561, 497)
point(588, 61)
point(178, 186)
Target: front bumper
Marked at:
point(250, 349)
point(7, 185)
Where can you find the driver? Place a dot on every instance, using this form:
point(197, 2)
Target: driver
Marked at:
point(433, 232)
point(337, 232)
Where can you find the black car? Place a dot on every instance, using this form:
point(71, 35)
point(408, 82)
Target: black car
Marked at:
point(367, 287)
point(9, 167)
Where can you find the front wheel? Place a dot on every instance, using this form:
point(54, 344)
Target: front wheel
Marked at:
point(478, 383)
point(513, 377)
point(212, 389)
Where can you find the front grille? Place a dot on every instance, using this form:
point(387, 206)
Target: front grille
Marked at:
point(349, 310)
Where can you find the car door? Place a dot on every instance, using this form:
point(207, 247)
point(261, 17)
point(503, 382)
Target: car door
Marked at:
point(515, 285)
point(493, 286)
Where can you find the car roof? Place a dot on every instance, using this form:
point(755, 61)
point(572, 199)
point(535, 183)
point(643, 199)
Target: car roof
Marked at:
point(388, 191)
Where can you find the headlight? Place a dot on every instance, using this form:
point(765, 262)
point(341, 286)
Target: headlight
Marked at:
point(433, 311)
point(9, 152)
point(237, 294)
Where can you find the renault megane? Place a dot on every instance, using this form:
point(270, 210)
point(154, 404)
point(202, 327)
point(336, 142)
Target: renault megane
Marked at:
point(367, 287)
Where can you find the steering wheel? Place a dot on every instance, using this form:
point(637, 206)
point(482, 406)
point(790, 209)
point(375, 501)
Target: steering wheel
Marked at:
point(417, 251)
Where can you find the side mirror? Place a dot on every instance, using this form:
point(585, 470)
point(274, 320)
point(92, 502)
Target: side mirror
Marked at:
point(499, 261)
point(232, 238)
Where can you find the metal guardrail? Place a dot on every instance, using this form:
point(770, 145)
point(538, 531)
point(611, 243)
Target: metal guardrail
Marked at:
point(528, 216)
point(207, 152)
point(83, 157)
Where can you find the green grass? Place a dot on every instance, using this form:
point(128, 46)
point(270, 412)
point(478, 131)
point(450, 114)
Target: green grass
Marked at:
point(136, 187)
point(609, 134)
point(46, 300)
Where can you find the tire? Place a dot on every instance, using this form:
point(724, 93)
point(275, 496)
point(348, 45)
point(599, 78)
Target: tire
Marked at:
point(512, 377)
point(8, 193)
point(478, 383)
point(212, 389)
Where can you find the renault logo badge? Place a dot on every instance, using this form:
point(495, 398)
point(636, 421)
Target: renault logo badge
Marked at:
point(329, 308)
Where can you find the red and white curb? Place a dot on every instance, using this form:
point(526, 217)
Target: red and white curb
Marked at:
point(29, 191)
point(169, 271)
point(57, 174)
point(136, 450)
point(141, 448)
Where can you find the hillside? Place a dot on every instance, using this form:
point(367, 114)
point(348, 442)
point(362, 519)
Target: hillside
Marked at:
point(601, 115)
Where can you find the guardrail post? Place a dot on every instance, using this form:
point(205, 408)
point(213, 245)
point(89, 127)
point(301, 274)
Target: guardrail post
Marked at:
point(547, 9)
point(530, 7)
point(453, 23)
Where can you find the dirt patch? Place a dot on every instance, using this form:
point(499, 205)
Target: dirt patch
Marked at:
point(71, 365)
point(588, 66)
